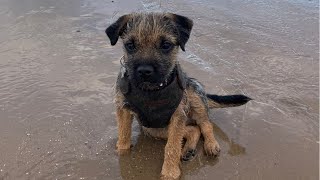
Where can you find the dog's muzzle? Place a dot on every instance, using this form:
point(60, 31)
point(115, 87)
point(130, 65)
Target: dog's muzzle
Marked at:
point(147, 78)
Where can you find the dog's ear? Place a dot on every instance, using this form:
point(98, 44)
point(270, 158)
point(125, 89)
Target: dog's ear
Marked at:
point(117, 28)
point(184, 26)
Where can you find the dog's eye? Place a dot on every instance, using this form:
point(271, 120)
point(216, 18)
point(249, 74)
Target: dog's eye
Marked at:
point(130, 47)
point(166, 46)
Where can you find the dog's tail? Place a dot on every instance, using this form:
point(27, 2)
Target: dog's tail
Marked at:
point(215, 101)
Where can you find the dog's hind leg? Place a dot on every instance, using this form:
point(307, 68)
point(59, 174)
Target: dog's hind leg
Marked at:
point(199, 113)
point(211, 145)
point(192, 136)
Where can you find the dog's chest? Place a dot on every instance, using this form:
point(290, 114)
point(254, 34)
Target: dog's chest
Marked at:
point(154, 109)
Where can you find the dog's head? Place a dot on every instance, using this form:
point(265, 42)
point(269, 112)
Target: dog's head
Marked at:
point(151, 43)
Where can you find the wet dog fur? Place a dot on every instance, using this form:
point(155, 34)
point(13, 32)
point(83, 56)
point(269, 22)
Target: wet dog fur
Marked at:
point(154, 40)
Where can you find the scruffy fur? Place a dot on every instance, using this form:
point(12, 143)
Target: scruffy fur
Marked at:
point(144, 37)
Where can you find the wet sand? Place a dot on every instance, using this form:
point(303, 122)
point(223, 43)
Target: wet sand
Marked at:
point(57, 72)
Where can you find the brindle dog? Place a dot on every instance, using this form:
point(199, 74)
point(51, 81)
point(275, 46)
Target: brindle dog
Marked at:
point(152, 87)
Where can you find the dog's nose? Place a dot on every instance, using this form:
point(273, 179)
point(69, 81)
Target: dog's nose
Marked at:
point(145, 70)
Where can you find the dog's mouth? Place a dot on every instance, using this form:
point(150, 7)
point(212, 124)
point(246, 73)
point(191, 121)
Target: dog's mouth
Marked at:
point(147, 86)
point(150, 86)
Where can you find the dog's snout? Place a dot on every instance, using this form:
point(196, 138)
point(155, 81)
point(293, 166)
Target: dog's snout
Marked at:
point(145, 70)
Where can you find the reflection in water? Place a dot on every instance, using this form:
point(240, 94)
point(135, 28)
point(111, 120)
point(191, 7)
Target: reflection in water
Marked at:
point(146, 157)
point(144, 161)
point(234, 148)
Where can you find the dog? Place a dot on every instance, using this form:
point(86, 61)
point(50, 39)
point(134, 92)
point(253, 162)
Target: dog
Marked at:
point(153, 88)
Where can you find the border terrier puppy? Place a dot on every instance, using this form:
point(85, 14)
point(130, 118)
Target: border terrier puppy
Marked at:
point(153, 88)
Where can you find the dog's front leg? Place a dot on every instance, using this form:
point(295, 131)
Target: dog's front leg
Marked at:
point(124, 120)
point(176, 129)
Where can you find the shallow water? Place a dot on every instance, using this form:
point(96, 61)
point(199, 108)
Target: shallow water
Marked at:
point(57, 72)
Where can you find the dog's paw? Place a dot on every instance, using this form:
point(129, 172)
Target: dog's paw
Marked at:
point(123, 149)
point(211, 148)
point(170, 173)
point(188, 155)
